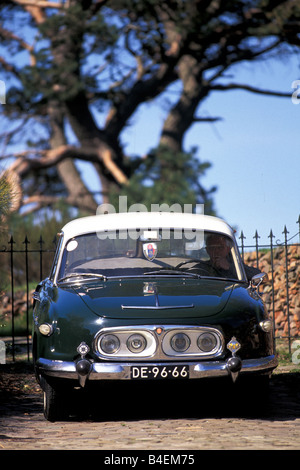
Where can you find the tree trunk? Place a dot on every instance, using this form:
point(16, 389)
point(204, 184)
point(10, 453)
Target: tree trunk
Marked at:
point(79, 195)
point(182, 114)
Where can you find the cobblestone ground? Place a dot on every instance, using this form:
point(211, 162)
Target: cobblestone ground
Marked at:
point(155, 417)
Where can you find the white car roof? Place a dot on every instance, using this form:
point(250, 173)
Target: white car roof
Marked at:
point(132, 220)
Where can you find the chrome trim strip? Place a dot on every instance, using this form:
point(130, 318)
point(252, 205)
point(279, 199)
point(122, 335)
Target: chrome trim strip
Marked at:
point(121, 371)
point(263, 363)
point(155, 307)
point(36, 295)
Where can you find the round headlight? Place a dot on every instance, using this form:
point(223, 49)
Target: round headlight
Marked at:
point(207, 342)
point(46, 329)
point(180, 342)
point(136, 343)
point(109, 344)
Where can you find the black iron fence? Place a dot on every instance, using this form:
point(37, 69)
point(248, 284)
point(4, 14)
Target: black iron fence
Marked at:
point(281, 261)
point(23, 264)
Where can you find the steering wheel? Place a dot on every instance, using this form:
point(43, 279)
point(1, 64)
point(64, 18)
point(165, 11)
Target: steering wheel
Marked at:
point(193, 260)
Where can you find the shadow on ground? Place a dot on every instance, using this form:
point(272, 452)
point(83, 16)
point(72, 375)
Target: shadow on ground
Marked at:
point(127, 401)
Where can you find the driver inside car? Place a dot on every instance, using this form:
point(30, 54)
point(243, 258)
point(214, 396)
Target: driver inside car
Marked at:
point(218, 249)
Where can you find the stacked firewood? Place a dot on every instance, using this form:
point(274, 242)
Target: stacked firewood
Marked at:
point(282, 291)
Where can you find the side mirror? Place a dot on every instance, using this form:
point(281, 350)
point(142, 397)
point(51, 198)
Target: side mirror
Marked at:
point(258, 279)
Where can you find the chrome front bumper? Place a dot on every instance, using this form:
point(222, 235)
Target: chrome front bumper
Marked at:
point(122, 371)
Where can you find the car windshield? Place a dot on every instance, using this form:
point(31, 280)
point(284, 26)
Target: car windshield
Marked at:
point(145, 252)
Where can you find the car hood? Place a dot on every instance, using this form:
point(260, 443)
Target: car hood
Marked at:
point(136, 298)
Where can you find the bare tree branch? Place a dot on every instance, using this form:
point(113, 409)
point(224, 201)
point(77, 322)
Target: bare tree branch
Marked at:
point(8, 35)
point(239, 86)
point(24, 164)
point(42, 4)
point(208, 119)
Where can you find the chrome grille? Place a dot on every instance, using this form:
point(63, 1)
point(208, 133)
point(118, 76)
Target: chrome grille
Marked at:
point(157, 343)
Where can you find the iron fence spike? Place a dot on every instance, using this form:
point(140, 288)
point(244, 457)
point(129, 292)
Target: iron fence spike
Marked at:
point(242, 235)
point(41, 241)
point(11, 241)
point(285, 230)
point(26, 241)
point(271, 234)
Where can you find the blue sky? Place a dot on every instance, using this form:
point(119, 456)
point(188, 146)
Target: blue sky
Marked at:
point(254, 150)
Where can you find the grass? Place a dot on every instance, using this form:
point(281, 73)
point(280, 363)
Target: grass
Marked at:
point(20, 319)
point(288, 360)
point(20, 325)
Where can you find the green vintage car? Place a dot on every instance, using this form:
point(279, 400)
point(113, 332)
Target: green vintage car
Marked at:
point(146, 297)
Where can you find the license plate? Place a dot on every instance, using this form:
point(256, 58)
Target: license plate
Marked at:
point(159, 372)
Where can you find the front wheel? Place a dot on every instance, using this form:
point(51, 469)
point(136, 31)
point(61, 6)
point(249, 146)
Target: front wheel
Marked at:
point(54, 403)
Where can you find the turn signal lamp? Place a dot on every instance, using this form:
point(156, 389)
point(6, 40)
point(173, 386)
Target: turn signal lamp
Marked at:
point(266, 326)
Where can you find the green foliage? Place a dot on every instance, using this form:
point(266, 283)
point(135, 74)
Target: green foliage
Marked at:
point(57, 69)
point(5, 195)
point(9, 194)
point(168, 178)
point(20, 325)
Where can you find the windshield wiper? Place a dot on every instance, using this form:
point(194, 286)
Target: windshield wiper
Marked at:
point(92, 275)
point(173, 272)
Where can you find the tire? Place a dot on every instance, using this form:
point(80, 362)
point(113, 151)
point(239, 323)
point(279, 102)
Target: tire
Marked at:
point(53, 403)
